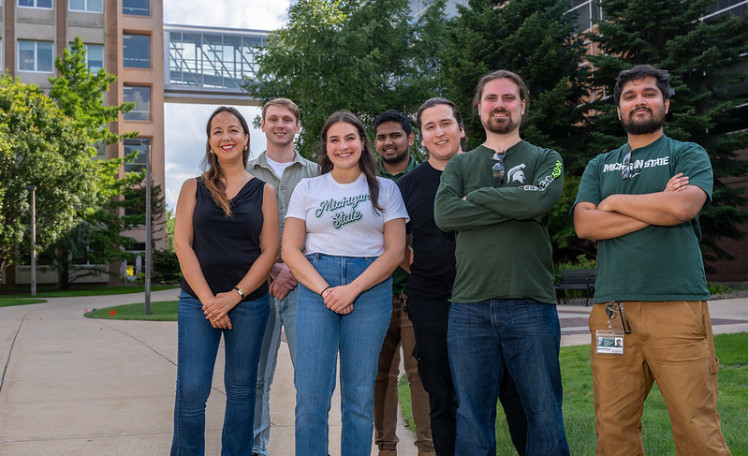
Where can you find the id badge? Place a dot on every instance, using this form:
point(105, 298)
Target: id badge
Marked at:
point(609, 341)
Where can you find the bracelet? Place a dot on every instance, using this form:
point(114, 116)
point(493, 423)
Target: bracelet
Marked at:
point(240, 291)
point(322, 292)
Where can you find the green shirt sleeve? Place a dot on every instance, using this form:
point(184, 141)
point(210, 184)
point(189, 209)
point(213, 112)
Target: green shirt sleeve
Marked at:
point(693, 161)
point(451, 212)
point(528, 202)
point(589, 186)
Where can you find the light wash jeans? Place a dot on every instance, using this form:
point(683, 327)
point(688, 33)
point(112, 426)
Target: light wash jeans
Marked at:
point(197, 348)
point(282, 314)
point(522, 336)
point(357, 337)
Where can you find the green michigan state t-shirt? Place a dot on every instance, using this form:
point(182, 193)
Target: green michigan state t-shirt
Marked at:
point(657, 263)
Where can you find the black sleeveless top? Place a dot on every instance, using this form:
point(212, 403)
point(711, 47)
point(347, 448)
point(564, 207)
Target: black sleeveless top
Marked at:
point(226, 247)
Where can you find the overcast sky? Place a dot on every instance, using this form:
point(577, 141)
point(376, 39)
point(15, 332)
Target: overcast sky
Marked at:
point(184, 124)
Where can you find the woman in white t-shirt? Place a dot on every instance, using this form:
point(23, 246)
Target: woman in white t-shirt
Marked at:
point(344, 236)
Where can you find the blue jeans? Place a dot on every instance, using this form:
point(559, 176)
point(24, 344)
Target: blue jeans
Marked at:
point(358, 337)
point(522, 336)
point(282, 313)
point(196, 356)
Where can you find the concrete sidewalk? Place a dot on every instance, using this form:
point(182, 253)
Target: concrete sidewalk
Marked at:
point(77, 386)
point(72, 385)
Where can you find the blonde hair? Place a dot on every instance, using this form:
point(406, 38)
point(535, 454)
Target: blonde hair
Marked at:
point(285, 103)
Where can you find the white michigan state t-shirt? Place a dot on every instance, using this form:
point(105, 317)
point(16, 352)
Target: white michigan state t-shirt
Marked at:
point(340, 219)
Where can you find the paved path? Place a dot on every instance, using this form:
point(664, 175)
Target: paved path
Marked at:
point(76, 386)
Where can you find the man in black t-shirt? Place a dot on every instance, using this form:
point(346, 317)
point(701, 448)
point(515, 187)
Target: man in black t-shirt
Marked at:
point(432, 272)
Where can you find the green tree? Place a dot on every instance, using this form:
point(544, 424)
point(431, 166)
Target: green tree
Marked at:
point(41, 146)
point(169, 229)
point(96, 239)
point(346, 54)
point(80, 95)
point(534, 38)
point(706, 60)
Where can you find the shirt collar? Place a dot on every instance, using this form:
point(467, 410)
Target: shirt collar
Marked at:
point(384, 173)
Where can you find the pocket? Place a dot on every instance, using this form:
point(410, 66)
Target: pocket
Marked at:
point(598, 318)
point(697, 310)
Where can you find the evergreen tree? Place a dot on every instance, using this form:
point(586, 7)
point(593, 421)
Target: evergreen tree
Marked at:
point(535, 39)
point(706, 61)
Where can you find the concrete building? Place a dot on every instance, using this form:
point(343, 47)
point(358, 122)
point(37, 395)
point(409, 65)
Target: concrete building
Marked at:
point(125, 37)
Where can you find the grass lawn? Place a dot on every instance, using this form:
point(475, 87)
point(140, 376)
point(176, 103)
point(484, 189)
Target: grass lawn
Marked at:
point(160, 311)
point(18, 297)
point(5, 302)
point(579, 416)
point(96, 290)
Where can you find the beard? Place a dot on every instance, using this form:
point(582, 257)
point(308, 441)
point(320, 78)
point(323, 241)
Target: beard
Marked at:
point(501, 126)
point(397, 158)
point(644, 126)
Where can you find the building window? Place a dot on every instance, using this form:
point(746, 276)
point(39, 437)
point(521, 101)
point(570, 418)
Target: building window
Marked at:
point(136, 7)
point(36, 3)
point(35, 56)
point(137, 51)
point(141, 96)
point(90, 6)
point(139, 145)
point(94, 57)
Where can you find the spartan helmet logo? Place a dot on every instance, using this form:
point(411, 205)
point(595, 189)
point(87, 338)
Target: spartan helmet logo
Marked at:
point(516, 174)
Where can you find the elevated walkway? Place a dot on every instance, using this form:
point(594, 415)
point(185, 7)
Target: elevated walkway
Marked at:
point(210, 64)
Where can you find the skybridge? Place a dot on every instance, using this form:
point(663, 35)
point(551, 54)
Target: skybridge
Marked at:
point(210, 64)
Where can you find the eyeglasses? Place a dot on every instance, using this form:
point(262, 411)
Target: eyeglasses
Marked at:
point(497, 170)
point(628, 167)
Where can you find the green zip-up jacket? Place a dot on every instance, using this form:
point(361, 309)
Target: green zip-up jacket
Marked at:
point(503, 246)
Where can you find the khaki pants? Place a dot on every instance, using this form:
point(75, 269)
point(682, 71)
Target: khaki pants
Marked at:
point(670, 343)
point(400, 332)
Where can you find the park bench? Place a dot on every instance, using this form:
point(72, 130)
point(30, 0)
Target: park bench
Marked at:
point(577, 279)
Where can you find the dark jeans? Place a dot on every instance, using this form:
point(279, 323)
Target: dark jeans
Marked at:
point(520, 337)
point(430, 318)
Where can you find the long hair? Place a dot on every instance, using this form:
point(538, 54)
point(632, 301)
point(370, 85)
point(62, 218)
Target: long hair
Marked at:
point(212, 171)
point(524, 92)
point(366, 162)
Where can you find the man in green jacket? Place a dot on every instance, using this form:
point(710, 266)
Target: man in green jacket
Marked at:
point(503, 314)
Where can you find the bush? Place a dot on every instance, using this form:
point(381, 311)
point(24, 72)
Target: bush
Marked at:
point(718, 288)
point(165, 268)
point(582, 262)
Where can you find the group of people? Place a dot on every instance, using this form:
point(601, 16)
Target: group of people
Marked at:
point(355, 257)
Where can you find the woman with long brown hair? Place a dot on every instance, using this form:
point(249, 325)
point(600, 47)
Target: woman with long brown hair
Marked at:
point(343, 237)
point(226, 237)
